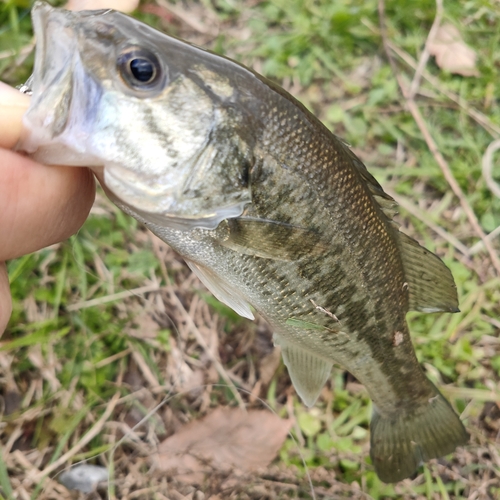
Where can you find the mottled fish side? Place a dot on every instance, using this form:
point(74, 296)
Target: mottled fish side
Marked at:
point(271, 210)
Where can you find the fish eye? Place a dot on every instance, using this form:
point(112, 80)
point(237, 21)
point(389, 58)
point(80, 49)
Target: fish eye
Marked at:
point(140, 69)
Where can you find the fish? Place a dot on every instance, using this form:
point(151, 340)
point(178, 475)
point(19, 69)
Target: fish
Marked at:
point(272, 211)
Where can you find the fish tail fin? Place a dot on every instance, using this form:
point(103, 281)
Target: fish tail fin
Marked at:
point(401, 443)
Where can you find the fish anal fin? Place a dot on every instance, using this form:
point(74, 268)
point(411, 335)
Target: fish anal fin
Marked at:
point(307, 371)
point(430, 283)
point(270, 239)
point(221, 290)
point(399, 444)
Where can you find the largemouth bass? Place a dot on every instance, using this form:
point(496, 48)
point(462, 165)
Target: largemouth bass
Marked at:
point(272, 211)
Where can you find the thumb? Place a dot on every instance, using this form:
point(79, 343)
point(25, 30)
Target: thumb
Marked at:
point(13, 105)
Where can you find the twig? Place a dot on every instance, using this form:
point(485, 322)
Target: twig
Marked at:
point(199, 338)
point(424, 57)
point(324, 311)
point(431, 144)
point(488, 167)
point(466, 393)
point(113, 358)
point(493, 321)
point(144, 368)
point(14, 436)
point(22, 55)
point(25, 51)
point(480, 244)
point(113, 297)
point(91, 434)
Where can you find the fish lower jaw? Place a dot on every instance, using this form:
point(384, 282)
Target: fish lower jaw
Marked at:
point(50, 152)
point(135, 193)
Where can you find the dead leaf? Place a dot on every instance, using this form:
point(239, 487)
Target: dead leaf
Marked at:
point(268, 365)
point(121, 5)
point(452, 53)
point(226, 439)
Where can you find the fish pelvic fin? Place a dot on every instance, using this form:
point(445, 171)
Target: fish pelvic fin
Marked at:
point(307, 371)
point(401, 443)
point(221, 290)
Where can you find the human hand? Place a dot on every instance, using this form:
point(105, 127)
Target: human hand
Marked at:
point(39, 205)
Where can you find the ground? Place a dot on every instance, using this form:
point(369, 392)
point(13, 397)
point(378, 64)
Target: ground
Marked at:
point(114, 346)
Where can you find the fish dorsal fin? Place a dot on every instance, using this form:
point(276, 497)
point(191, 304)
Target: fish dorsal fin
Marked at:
point(430, 282)
point(270, 239)
point(386, 203)
point(221, 290)
point(307, 371)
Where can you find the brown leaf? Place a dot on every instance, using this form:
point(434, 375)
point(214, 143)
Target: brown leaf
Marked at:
point(269, 365)
point(451, 52)
point(226, 439)
point(121, 5)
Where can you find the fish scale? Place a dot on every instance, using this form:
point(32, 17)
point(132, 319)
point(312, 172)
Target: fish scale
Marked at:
point(273, 212)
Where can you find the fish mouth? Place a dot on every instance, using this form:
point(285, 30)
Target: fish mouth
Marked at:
point(56, 44)
point(45, 133)
point(161, 206)
point(50, 83)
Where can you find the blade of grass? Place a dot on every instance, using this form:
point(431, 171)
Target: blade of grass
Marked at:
point(4, 480)
point(60, 284)
point(38, 337)
point(113, 297)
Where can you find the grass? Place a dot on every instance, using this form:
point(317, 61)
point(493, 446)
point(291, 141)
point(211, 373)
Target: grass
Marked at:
point(76, 342)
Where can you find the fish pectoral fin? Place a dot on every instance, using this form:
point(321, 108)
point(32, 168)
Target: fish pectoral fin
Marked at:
point(221, 290)
point(430, 283)
point(271, 239)
point(400, 443)
point(307, 371)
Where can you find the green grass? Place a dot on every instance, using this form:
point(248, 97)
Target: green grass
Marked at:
point(66, 363)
